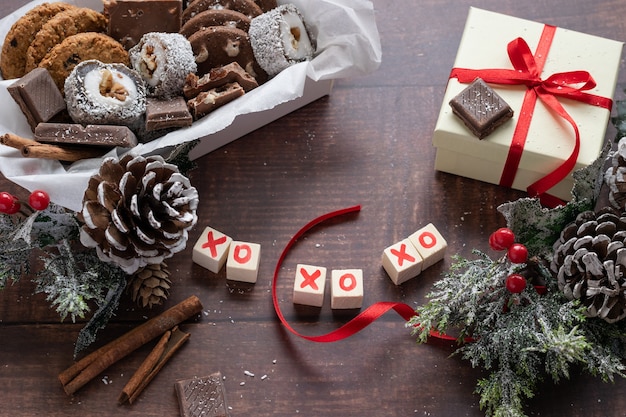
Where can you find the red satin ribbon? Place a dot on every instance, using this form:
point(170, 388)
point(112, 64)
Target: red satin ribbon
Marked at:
point(527, 71)
point(364, 319)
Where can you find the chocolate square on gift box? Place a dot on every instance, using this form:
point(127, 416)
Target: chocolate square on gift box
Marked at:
point(481, 108)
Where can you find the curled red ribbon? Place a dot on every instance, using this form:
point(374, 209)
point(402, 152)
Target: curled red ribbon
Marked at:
point(364, 319)
point(527, 71)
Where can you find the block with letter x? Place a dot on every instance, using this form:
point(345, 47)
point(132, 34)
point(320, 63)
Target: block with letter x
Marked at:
point(211, 249)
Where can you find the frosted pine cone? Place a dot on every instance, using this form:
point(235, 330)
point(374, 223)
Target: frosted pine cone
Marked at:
point(590, 262)
point(615, 177)
point(137, 211)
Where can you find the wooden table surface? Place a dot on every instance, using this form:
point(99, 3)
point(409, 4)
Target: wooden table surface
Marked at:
point(369, 143)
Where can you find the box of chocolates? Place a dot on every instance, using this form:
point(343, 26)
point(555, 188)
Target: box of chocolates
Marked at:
point(557, 83)
point(160, 73)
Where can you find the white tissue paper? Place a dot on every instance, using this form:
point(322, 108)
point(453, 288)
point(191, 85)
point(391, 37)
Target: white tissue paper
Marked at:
point(348, 45)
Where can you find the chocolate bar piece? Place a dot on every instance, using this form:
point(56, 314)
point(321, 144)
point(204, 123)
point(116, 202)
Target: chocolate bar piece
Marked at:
point(202, 397)
point(165, 114)
point(93, 135)
point(38, 96)
point(480, 108)
point(217, 77)
point(207, 101)
point(129, 20)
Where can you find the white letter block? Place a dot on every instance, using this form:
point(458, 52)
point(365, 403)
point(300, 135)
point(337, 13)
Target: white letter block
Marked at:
point(430, 244)
point(211, 250)
point(308, 287)
point(402, 261)
point(243, 261)
point(346, 289)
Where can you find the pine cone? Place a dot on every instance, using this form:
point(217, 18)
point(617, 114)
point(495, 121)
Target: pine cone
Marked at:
point(590, 260)
point(615, 177)
point(150, 285)
point(137, 211)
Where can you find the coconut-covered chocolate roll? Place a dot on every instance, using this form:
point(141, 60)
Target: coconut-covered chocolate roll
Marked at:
point(99, 93)
point(163, 60)
point(280, 38)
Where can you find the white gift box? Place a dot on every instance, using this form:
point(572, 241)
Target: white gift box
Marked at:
point(348, 45)
point(550, 139)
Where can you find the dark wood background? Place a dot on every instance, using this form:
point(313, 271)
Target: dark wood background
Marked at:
point(369, 143)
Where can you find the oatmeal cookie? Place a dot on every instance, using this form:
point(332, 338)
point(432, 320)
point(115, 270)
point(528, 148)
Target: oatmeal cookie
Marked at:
point(64, 24)
point(22, 33)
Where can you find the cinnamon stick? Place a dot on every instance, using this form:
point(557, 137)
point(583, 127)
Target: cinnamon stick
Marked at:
point(33, 149)
point(61, 153)
point(83, 371)
point(170, 342)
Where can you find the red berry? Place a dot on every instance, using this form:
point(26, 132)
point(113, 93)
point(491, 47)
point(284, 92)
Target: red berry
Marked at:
point(515, 283)
point(39, 200)
point(8, 203)
point(501, 239)
point(518, 254)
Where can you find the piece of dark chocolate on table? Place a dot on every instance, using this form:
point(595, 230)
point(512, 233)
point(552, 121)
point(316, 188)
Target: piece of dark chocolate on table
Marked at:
point(166, 114)
point(37, 96)
point(93, 135)
point(129, 20)
point(202, 397)
point(480, 108)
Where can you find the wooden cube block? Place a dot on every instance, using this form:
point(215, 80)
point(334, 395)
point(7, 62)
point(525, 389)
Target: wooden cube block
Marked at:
point(308, 287)
point(430, 244)
point(346, 289)
point(211, 249)
point(402, 261)
point(243, 261)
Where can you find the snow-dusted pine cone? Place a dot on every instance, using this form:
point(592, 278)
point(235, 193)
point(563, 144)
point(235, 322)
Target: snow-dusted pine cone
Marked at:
point(150, 285)
point(590, 263)
point(615, 177)
point(137, 211)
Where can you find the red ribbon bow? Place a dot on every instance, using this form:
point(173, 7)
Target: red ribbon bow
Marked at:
point(527, 71)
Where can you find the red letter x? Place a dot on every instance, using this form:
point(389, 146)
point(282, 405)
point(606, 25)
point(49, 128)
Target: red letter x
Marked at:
point(402, 255)
point(212, 243)
point(310, 279)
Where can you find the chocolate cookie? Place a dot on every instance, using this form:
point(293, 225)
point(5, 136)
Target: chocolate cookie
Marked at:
point(62, 59)
point(63, 24)
point(266, 5)
point(217, 46)
point(215, 17)
point(247, 7)
point(21, 34)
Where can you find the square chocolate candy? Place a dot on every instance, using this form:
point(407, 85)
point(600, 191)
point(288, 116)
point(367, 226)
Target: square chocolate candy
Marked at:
point(202, 397)
point(38, 96)
point(480, 108)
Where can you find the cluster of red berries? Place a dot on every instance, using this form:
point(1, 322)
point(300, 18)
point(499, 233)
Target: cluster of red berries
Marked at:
point(9, 204)
point(504, 239)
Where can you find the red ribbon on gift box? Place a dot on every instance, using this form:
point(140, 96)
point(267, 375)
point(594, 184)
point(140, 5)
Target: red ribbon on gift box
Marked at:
point(527, 71)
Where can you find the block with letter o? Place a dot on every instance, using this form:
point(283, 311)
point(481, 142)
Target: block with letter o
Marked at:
point(243, 261)
point(346, 289)
point(430, 244)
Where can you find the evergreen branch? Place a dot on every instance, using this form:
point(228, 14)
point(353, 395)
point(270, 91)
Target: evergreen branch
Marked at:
point(102, 316)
